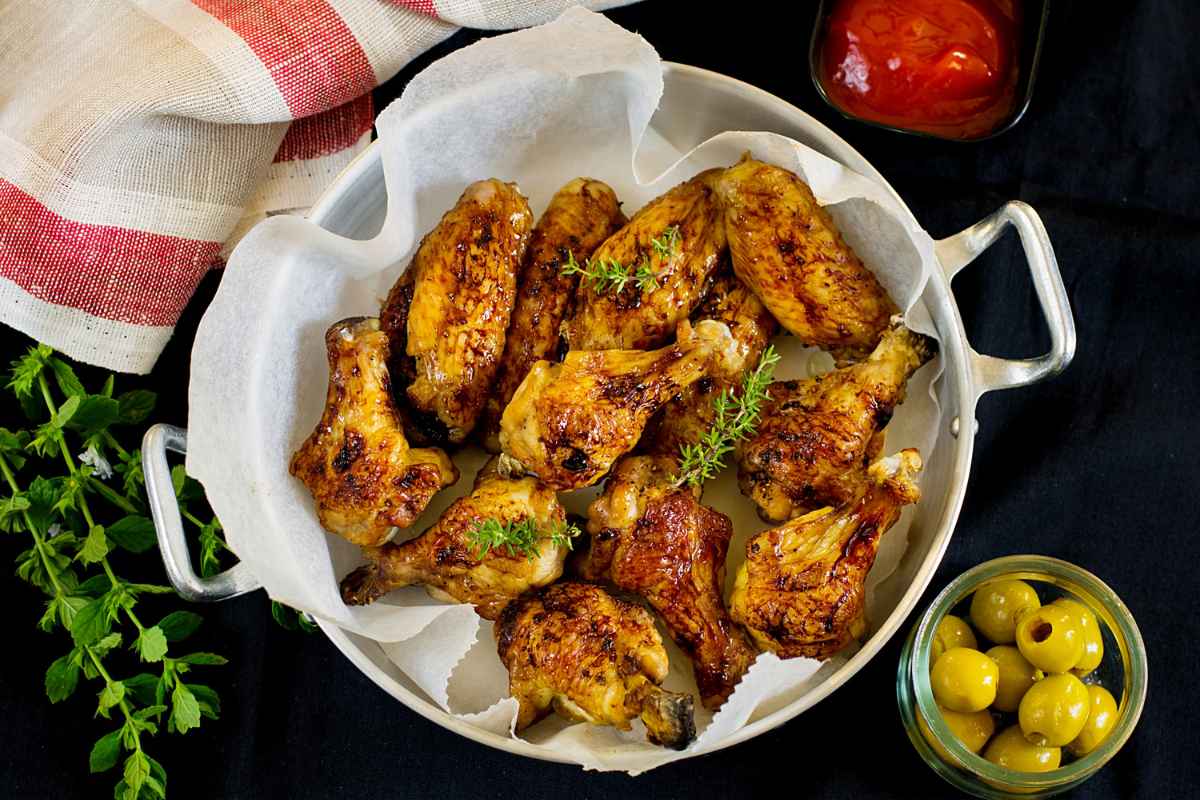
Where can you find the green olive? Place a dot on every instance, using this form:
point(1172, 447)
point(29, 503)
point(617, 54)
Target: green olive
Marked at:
point(951, 632)
point(1100, 722)
point(1054, 710)
point(1050, 639)
point(964, 680)
point(973, 729)
point(1093, 640)
point(1011, 750)
point(997, 607)
point(1016, 676)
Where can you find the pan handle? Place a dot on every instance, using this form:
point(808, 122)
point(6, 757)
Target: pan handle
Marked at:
point(164, 508)
point(955, 252)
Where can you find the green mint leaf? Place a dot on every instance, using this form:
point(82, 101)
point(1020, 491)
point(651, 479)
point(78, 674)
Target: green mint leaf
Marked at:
point(141, 688)
point(136, 406)
point(62, 677)
point(134, 533)
point(148, 588)
point(178, 625)
point(178, 478)
point(185, 709)
point(137, 770)
point(203, 659)
point(210, 703)
point(69, 607)
point(12, 443)
point(11, 518)
point(65, 377)
point(66, 411)
point(95, 546)
point(132, 479)
point(92, 622)
point(95, 586)
point(112, 693)
point(107, 389)
point(211, 545)
point(152, 644)
point(105, 752)
point(95, 413)
point(106, 645)
point(284, 616)
point(42, 494)
point(27, 368)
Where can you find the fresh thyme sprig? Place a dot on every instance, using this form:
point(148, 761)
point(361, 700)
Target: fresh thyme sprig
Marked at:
point(518, 537)
point(736, 418)
point(608, 274)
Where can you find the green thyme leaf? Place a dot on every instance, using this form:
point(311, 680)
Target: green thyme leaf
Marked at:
point(735, 418)
point(517, 538)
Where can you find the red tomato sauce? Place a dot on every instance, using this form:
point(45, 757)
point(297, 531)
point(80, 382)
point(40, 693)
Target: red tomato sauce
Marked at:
point(947, 67)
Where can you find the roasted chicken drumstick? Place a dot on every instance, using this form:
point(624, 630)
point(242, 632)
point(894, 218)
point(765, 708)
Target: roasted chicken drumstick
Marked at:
point(593, 658)
point(568, 422)
point(580, 216)
point(675, 241)
point(444, 561)
point(816, 436)
point(656, 540)
point(785, 247)
point(801, 590)
point(364, 477)
point(463, 288)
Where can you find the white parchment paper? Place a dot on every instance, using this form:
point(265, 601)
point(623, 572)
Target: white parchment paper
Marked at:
point(541, 106)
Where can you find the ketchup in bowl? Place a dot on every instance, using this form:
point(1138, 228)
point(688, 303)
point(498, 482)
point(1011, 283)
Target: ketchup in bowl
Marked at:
point(946, 67)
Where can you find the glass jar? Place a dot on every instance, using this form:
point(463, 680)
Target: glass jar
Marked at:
point(1122, 672)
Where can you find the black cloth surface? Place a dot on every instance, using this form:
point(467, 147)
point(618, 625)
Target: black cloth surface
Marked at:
point(1095, 466)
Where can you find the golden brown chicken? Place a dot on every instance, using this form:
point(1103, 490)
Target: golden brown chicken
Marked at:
point(815, 436)
point(656, 540)
point(802, 589)
point(463, 288)
point(568, 422)
point(786, 248)
point(690, 415)
point(446, 561)
point(580, 216)
point(576, 649)
point(364, 477)
point(675, 241)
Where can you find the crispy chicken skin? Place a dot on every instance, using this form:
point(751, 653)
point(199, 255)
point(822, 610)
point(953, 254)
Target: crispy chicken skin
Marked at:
point(801, 590)
point(580, 216)
point(633, 319)
point(464, 286)
point(568, 422)
point(815, 436)
point(690, 415)
point(576, 649)
point(362, 474)
point(657, 541)
point(442, 560)
point(787, 250)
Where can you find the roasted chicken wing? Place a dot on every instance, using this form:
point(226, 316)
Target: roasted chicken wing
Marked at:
point(815, 436)
point(443, 560)
point(656, 540)
point(364, 477)
point(580, 216)
point(574, 648)
point(801, 590)
point(677, 239)
point(690, 415)
point(568, 422)
point(464, 284)
point(785, 247)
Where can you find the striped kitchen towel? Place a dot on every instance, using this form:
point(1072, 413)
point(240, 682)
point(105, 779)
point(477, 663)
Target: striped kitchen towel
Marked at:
point(140, 138)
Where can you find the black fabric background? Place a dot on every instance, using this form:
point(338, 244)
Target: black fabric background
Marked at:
point(1096, 466)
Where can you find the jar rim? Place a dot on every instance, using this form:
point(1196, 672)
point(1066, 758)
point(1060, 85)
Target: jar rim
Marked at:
point(1075, 580)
